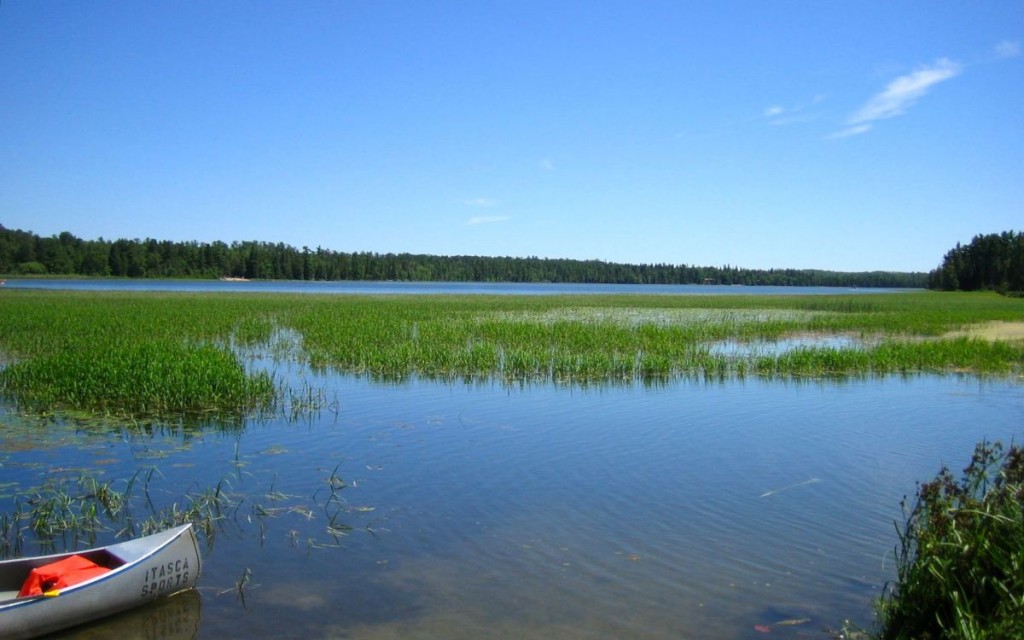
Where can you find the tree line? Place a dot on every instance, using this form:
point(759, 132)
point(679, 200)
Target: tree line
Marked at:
point(994, 261)
point(25, 253)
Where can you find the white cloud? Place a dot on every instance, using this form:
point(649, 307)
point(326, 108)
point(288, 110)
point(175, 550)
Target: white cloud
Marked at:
point(904, 91)
point(900, 94)
point(1007, 49)
point(486, 219)
point(485, 203)
point(852, 131)
point(779, 115)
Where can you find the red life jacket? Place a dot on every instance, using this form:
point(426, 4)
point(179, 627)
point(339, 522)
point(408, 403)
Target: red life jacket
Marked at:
point(60, 574)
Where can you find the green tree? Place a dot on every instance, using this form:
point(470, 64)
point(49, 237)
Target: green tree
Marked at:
point(993, 261)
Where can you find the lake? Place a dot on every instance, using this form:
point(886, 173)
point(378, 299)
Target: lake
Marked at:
point(689, 510)
point(358, 287)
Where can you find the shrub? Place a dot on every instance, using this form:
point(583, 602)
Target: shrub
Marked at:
point(32, 268)
point(960, 562)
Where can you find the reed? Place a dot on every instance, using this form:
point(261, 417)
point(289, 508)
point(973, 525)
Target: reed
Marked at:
point(594, 338)
point(128, 356)
point(140, 379)
point(159, 353)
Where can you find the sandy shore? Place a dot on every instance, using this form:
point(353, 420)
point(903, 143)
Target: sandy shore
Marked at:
point(994, 331)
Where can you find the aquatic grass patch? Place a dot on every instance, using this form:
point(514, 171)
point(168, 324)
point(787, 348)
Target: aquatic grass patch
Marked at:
point(956, 355)
point(959, 355)
point(587, 338)
point(960, 559)
point(659, 316)
point(578, 338)
point(139, 379)
point(816, 362)
point(254, 331)
point(139, 356)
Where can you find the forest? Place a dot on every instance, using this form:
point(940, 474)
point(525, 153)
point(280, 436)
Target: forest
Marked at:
point(994, 262)
point(25, 253)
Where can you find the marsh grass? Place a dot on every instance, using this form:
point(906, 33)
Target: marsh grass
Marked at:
point(960, 559)
point(130, 356)
point(164, 354)
point(650, 338)
point(150, 378)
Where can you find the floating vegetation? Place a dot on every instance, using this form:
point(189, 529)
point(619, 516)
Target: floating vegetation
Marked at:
point(71, 510)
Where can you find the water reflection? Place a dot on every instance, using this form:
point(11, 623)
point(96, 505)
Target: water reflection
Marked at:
point(740, 349)
point(173, 618)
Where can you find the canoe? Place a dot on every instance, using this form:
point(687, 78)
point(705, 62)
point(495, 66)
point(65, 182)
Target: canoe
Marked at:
point(99, 582)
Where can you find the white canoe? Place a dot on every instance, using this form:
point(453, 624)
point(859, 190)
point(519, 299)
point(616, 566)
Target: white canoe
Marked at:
point(141, 571)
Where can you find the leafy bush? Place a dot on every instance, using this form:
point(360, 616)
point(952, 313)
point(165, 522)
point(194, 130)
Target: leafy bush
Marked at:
point(31, 268)
point(960, 562)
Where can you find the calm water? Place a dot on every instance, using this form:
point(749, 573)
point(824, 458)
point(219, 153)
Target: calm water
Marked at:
point(454, 288)
point(691, 510)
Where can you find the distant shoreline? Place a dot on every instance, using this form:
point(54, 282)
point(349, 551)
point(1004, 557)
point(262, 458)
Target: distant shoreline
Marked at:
point(391, 287)
point(41, 277)
point(67, 255)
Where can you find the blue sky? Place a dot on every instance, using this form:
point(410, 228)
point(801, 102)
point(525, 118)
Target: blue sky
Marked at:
point(851, 136)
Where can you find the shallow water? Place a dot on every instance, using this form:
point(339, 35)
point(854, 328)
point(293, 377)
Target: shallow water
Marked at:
point(738, 349)
point(688, 510)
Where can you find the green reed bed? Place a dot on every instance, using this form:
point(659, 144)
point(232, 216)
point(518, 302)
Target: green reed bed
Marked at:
point(141, 379)
point(955, 355)
point(640, 337)
point(132, 356)
point(146, 353)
